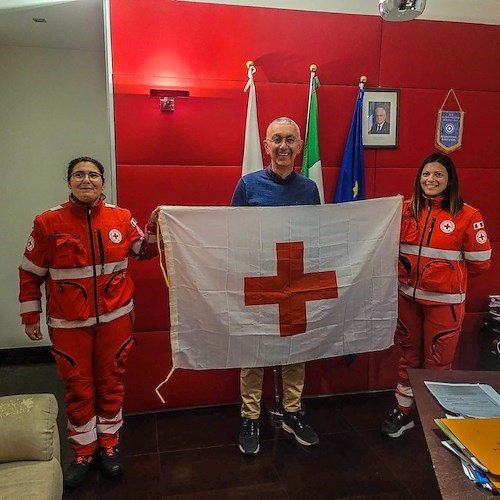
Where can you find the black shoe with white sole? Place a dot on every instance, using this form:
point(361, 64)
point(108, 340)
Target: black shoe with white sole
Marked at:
point(248, 440)
point(397, 423)
point(294, 423)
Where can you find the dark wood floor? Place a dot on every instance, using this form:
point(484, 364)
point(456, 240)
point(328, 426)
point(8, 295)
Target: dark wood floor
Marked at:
point(192, 454)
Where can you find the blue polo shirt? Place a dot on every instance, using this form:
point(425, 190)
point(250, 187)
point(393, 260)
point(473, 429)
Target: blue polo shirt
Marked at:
point(266, 189)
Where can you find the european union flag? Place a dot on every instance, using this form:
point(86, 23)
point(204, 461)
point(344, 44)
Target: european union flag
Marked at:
point(351, 183)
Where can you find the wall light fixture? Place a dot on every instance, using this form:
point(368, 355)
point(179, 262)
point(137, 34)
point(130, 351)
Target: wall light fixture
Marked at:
point(167, 97)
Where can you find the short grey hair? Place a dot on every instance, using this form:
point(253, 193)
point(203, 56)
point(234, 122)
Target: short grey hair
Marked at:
point(281, 120)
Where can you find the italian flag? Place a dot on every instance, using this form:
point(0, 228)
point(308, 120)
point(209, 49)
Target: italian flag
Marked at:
point(311, 165)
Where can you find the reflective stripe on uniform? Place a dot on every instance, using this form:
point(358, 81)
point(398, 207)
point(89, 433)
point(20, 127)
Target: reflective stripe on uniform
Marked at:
point(404, 401)
point(27, 265)
point(31, 306)
point(478, 256)
point(87, 271)
point(433, 253)
point(103, 318)
point(404, 395)
point(83, 428)
point(109, 425)
point(137, 246)
point(445, 298)
point(83, 434)
point(84, 437)
point(405, 390)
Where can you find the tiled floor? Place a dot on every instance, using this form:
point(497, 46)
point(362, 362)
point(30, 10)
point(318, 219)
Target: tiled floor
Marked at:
point(191, 454)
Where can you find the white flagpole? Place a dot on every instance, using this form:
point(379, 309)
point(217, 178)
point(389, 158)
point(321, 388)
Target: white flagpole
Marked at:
point(252, 152)
point(313, 74)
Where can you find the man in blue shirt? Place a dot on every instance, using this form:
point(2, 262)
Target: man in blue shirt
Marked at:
point(277, 185)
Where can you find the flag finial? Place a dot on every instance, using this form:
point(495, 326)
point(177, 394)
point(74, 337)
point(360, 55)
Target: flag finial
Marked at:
point(313, 68)
point(362, 80)
point(250, 64)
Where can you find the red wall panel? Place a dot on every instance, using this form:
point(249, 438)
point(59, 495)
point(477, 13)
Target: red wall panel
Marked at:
point(440, 55)
point(210, 131)
point(193, 155)
point(203, 42)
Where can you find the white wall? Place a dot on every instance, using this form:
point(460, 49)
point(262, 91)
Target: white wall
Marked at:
point(466, 11)
point(52, 109)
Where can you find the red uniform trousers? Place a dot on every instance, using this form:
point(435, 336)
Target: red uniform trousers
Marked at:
point(428, 336)
point(91, 363)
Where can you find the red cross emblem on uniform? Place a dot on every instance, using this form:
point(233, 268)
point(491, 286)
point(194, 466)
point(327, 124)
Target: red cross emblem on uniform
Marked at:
point(447, 226)
point(291, 288)
point(481, 236)
point(115, 236)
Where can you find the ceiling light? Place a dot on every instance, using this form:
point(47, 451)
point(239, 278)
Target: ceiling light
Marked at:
point(400, 10)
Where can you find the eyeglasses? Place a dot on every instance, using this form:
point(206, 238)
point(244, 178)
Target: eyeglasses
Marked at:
point(79, 176)
point(277, 139)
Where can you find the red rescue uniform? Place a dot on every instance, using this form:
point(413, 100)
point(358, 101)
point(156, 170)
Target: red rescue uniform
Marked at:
point(81, 254)
point(437, 253)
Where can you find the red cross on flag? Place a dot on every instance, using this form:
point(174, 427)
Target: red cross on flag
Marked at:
point(265, 286)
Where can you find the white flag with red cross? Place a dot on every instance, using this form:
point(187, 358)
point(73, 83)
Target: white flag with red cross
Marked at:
point(266, 286)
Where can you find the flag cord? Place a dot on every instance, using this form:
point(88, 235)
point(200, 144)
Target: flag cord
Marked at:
point(158, 240)
point(451, 91)
point(160, 253)
point(251, 70)
point(164, 382)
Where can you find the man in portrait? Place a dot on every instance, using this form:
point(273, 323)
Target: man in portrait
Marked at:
point(381, 125)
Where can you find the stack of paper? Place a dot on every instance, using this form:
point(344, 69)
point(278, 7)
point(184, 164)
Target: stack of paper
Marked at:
point(494, 311)
point(476, 441)
point(495, 301)
point(467, 400)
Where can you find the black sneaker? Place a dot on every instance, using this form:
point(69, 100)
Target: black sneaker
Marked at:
point(248, 439)
point(293, 422)
point(77, 470)
point(396, 423)
point(110, 461)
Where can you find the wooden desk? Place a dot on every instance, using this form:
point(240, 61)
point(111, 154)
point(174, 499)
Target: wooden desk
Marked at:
point(448, 469)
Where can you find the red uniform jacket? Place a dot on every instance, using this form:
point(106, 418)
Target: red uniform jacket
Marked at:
point(437, 252)
point(81, 253)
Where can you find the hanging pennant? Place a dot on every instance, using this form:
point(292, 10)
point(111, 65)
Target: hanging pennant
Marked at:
point(449, 127)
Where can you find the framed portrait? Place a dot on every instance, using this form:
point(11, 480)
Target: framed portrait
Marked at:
point(380, 118)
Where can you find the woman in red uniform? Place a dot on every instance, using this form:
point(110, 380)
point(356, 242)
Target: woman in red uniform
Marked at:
point(80, 251)
point(443, 241)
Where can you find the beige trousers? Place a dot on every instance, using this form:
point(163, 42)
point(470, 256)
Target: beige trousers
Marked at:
point(251, 379)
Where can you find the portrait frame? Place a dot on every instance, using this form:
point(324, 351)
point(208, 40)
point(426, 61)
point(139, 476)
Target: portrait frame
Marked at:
point(380, 118)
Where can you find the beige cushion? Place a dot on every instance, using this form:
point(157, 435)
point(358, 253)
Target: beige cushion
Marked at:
point(28, 427)
point(31, 480)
